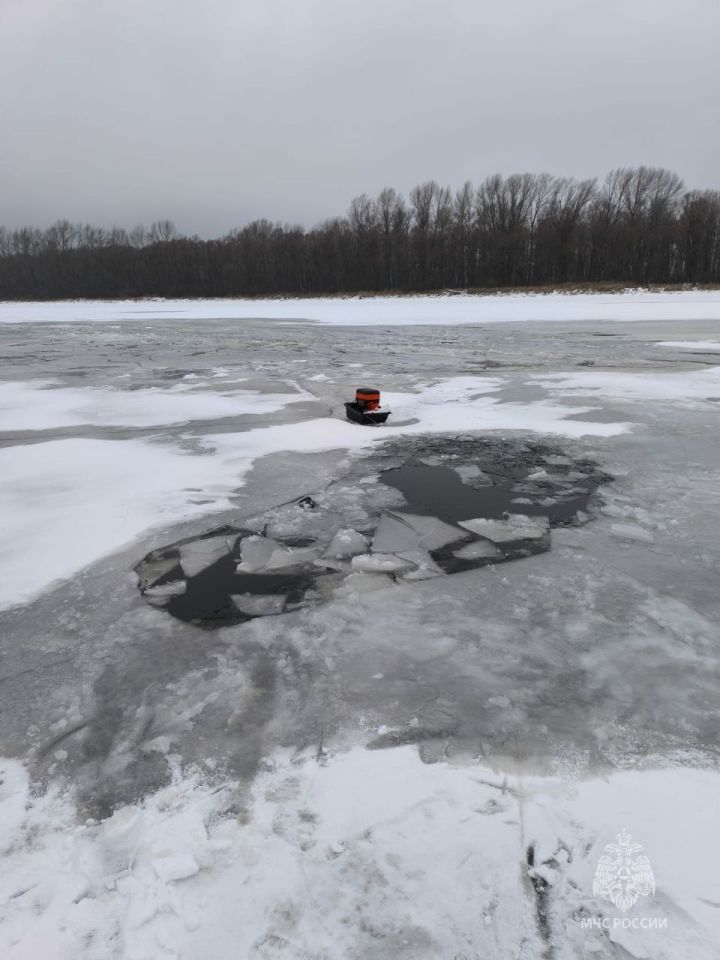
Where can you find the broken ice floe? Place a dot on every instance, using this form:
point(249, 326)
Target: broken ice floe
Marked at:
point(516, 527)
point(199, 554)
point(631, 531)
point(381, 563)
point(441, 507)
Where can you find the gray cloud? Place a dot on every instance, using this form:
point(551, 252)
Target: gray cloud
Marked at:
point(214, 112)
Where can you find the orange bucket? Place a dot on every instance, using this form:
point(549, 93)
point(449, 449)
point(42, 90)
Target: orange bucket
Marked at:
point(368, 398)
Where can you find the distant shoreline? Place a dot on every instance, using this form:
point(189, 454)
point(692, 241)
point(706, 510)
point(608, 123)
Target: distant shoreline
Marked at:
point(558, 289)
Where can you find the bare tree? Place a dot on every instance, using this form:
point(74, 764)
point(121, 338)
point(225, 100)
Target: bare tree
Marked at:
point(637, 225)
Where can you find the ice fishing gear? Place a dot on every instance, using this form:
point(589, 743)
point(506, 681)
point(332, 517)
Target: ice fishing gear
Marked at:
point(365, 408)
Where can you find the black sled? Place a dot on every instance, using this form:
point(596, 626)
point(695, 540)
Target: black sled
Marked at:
point(365, 408)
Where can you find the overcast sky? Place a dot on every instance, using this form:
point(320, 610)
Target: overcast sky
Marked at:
point(214, 112)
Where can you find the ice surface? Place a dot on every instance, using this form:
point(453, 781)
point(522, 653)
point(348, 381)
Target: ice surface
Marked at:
point(553, 701)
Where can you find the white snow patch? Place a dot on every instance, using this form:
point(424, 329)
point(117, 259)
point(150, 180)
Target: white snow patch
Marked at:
point(703, 345)
point(689, 385)
point(440, 309)
point(65, 503)
point(41, 405)
point(340, 859)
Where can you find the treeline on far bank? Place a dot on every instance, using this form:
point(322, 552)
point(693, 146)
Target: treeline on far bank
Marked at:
point(637, 226)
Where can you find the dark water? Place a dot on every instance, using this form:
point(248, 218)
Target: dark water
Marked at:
point(208, 594)
point(440, 492)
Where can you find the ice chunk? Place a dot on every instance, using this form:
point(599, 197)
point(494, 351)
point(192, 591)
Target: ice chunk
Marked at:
point(174, 588)
point(346, 543)
point(560, 479)
point(363, 583)
point(328, 563)
point(517, 526)
point(471, 471)
point(568, 537)
point(380, 563)
point(530, 488)
point(155, 569)
point(392, 534)
point(200, 554)
point(631, 531)
point(175, 867)
point(477, 550)
point(500, 701)
point(432, 533)
point(258, 605)
point(423, 564)
point(255, 553)
point(291, 557)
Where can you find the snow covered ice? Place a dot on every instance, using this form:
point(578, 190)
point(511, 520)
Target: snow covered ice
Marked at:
point(424, 751)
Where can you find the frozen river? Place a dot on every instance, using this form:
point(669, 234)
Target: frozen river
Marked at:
point(420, 758)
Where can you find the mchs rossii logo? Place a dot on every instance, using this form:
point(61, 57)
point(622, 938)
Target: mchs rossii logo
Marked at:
point(623, 875)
